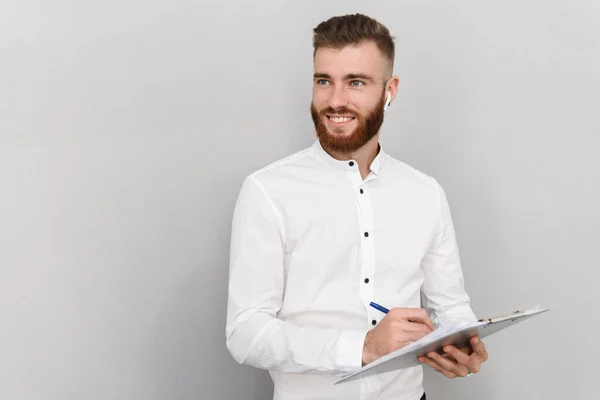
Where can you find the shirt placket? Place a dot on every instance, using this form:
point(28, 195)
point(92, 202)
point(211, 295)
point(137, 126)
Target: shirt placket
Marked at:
point(367, 262)
point(367, 244)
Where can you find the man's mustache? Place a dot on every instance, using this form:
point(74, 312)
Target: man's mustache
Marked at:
point(341, 111)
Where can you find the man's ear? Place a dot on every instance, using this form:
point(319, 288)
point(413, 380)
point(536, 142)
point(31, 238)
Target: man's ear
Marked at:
point(392, 89)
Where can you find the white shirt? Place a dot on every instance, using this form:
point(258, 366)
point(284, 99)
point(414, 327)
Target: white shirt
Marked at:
point(312, 245)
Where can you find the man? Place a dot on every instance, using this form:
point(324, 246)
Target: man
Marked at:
point(320, 234)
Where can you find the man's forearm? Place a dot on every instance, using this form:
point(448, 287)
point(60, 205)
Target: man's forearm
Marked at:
point(266, 342)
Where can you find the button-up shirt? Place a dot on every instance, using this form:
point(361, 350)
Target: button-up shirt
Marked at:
point(312, 244)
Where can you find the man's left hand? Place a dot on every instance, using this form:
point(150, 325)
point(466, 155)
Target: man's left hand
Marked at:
point(458, 362)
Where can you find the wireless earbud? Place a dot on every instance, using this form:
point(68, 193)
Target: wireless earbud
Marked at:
point(387, 101)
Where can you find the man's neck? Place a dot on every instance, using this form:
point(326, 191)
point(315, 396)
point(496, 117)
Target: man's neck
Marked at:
point(363, 156)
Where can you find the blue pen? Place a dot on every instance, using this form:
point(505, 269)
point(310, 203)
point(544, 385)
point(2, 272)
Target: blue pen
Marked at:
point(383, 309)
point(380, 308)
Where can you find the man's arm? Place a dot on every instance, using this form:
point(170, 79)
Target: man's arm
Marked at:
point(444, 295)
point(254, 334)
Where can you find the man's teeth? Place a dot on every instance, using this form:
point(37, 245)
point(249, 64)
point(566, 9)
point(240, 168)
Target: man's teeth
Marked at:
point(340, 119)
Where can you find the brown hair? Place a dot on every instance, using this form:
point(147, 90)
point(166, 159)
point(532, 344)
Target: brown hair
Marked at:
point(354, 29)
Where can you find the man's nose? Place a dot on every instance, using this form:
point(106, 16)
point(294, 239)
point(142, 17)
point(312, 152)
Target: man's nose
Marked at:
point(338, 98)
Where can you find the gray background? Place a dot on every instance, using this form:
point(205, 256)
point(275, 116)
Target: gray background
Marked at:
point(126, 128)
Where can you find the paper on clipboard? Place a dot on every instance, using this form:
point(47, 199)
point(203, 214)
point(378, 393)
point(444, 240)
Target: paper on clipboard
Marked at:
point(456, 333)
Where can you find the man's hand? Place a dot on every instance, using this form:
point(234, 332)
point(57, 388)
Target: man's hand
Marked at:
point(458, 362)
point(400, 326)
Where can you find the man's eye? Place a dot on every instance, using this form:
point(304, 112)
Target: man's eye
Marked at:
point(357, 83)
point(322, 82)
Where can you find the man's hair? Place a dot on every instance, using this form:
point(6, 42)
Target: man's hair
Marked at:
point(352, 30)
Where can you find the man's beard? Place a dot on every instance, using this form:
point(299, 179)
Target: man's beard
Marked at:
point(367, 127)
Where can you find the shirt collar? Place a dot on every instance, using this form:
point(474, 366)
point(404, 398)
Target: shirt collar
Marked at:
point(346, 165)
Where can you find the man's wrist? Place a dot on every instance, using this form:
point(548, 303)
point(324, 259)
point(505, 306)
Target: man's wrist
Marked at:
point(367, 357)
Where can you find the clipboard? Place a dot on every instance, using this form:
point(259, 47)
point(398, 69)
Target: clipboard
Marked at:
point(456, 333)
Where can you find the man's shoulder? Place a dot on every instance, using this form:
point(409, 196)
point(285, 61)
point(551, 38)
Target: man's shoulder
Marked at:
point(401, 170)
point(283, 165)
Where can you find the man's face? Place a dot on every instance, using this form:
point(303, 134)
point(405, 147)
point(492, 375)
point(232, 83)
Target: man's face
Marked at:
point(348, 96)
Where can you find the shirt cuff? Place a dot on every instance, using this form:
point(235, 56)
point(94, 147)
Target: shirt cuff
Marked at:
point(350, 350)
point(457, 314)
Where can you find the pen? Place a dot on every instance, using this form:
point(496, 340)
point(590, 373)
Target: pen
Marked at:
point(383, 309)
point(380, 308)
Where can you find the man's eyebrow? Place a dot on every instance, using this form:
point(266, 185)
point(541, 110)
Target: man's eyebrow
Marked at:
point(348, 77)
point(359, 76)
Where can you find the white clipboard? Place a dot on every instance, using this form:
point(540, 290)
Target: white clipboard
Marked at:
point(457, 334)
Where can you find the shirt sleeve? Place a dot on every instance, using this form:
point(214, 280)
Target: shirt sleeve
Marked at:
point(254, 334)
point(443, 291)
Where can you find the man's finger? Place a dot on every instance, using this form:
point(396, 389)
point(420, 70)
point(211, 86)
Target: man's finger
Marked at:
point(416, 335)
point(410, 336)
point(472, 363)
point(449, 365)
point(479, 348)
point(414, 327)
point(437, 367)
point(467, 349)
point(460, 356)
point(415, 315)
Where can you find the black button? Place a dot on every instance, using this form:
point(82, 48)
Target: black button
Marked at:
point(366, 234)
point(374, 322)
point(366, 280)
point(351, 163)
point(361, 191)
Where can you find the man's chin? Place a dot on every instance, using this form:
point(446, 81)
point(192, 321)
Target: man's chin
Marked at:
point(340, 137)
point(347, 142)
point(340, 134)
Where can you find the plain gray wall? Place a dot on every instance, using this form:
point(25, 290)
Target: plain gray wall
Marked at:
point(126, 128)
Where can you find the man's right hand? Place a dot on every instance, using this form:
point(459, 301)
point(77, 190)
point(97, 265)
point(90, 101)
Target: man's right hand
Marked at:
point(400, 326)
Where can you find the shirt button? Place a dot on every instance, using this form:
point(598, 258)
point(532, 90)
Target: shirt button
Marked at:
point(361, 191)
point(366, 280)
point(374, 322)
point(366, 234)
point(351, 163)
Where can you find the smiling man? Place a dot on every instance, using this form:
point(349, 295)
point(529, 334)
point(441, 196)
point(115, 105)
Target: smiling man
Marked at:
point(319, 235)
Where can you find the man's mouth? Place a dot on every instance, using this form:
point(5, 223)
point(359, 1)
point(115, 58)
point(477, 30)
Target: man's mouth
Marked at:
point(340, 119)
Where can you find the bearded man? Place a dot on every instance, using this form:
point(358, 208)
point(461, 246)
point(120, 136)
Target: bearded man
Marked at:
point(321, 234)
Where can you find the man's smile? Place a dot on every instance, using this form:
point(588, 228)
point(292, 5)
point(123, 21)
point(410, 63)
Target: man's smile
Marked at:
point(340, 120)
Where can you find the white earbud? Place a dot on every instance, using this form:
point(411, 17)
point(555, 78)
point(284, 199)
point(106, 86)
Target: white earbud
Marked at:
point(387, 101)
